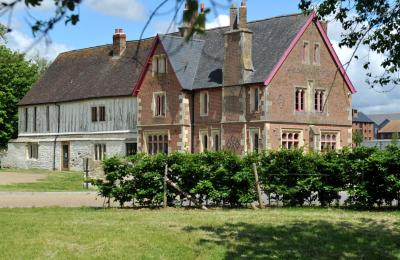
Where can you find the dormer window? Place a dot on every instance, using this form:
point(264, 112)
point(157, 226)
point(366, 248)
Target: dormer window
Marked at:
point(159, 64)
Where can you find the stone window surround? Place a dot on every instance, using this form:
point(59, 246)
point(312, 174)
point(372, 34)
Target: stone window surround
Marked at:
point(305, 53)
point(296, 99)
point(154, 103)
point(331, 132)
point(252, 92)
point(317, 53)
point(32, 151)
point(204, 133)
point(214, 133)
point(156, 68)
point(100, 151)
point(300, 132)
point(252, 133)
point(202, 93)
point(162, 132)
point(320, 108)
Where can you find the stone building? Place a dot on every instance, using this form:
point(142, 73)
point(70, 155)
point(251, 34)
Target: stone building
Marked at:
point(247, 87)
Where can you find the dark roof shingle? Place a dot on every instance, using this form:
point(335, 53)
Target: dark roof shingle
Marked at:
point(90, 73)
point(94, 73)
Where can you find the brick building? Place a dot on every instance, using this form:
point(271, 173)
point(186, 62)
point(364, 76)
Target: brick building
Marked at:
point(247, 87)
point(364, 125)
point(251, 86)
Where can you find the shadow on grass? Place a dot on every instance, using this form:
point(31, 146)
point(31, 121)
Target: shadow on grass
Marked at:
point(367, 239)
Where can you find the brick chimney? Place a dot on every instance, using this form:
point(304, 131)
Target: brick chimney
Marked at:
point(119, 42)
point(238, 64)
point(187, 26)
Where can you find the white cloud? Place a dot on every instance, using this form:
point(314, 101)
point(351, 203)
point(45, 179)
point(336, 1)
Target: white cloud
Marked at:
point(21, 42)
point(45, 5)
point(367, 99)
point(127, 9)
point(219, 21)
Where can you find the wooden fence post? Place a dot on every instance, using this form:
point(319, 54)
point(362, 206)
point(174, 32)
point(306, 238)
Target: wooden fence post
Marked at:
point(165, 187)
point(259, 194)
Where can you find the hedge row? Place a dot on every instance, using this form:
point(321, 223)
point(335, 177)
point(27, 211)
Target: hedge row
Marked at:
point(371, 177)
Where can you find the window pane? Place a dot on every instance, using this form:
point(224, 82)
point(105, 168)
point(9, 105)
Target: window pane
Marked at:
point(216, 142)
point(165, 144)
point(255, 143)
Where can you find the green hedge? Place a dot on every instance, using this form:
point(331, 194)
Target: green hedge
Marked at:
point(371, 177)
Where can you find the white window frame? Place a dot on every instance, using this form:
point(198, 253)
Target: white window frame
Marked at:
point(32, 151)
point(160, 94)
point(202, 105)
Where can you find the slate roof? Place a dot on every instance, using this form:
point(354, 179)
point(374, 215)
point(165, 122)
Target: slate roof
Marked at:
point(94, 73)
point(271, 37)
point(184, 57)
point(380, 118)
point(361, 118)
point(90, 73)
point(391, 127)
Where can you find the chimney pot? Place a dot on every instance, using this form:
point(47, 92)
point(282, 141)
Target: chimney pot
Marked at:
point(234, 17)
point(119, 42)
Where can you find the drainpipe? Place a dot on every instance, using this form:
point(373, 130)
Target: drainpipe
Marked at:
point(56, 137)
point(192, 124)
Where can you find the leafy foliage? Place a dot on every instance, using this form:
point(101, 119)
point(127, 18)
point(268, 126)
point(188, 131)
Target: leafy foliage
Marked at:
point(371, 177)
point(358, 138)
point(17, 74)
point(371, 23)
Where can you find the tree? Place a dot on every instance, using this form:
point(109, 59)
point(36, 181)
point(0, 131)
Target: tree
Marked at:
point(374, 24)
point(358, 138)
point(395, 138)
point(17, 74)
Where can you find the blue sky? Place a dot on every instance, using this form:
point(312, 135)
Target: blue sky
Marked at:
point(99, 18)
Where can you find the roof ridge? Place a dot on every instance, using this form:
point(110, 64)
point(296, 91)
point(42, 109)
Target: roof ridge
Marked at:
point(257, 21)
point(181, 38)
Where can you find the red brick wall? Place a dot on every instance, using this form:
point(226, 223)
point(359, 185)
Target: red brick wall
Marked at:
point(281, 91)
point(367, 129)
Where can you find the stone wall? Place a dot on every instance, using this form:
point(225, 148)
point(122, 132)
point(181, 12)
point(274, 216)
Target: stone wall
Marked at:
point(79, 149)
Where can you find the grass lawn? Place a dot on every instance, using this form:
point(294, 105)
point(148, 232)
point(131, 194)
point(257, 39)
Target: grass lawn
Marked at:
point(43, 233)
point(54, 181)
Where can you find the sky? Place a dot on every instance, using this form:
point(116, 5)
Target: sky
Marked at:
point(99, 18)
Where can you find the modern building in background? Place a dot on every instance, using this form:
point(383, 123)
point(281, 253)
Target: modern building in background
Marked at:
point(364, 125)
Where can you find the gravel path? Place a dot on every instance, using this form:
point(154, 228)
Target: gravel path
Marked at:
point(15, 177)
point(50, 199)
